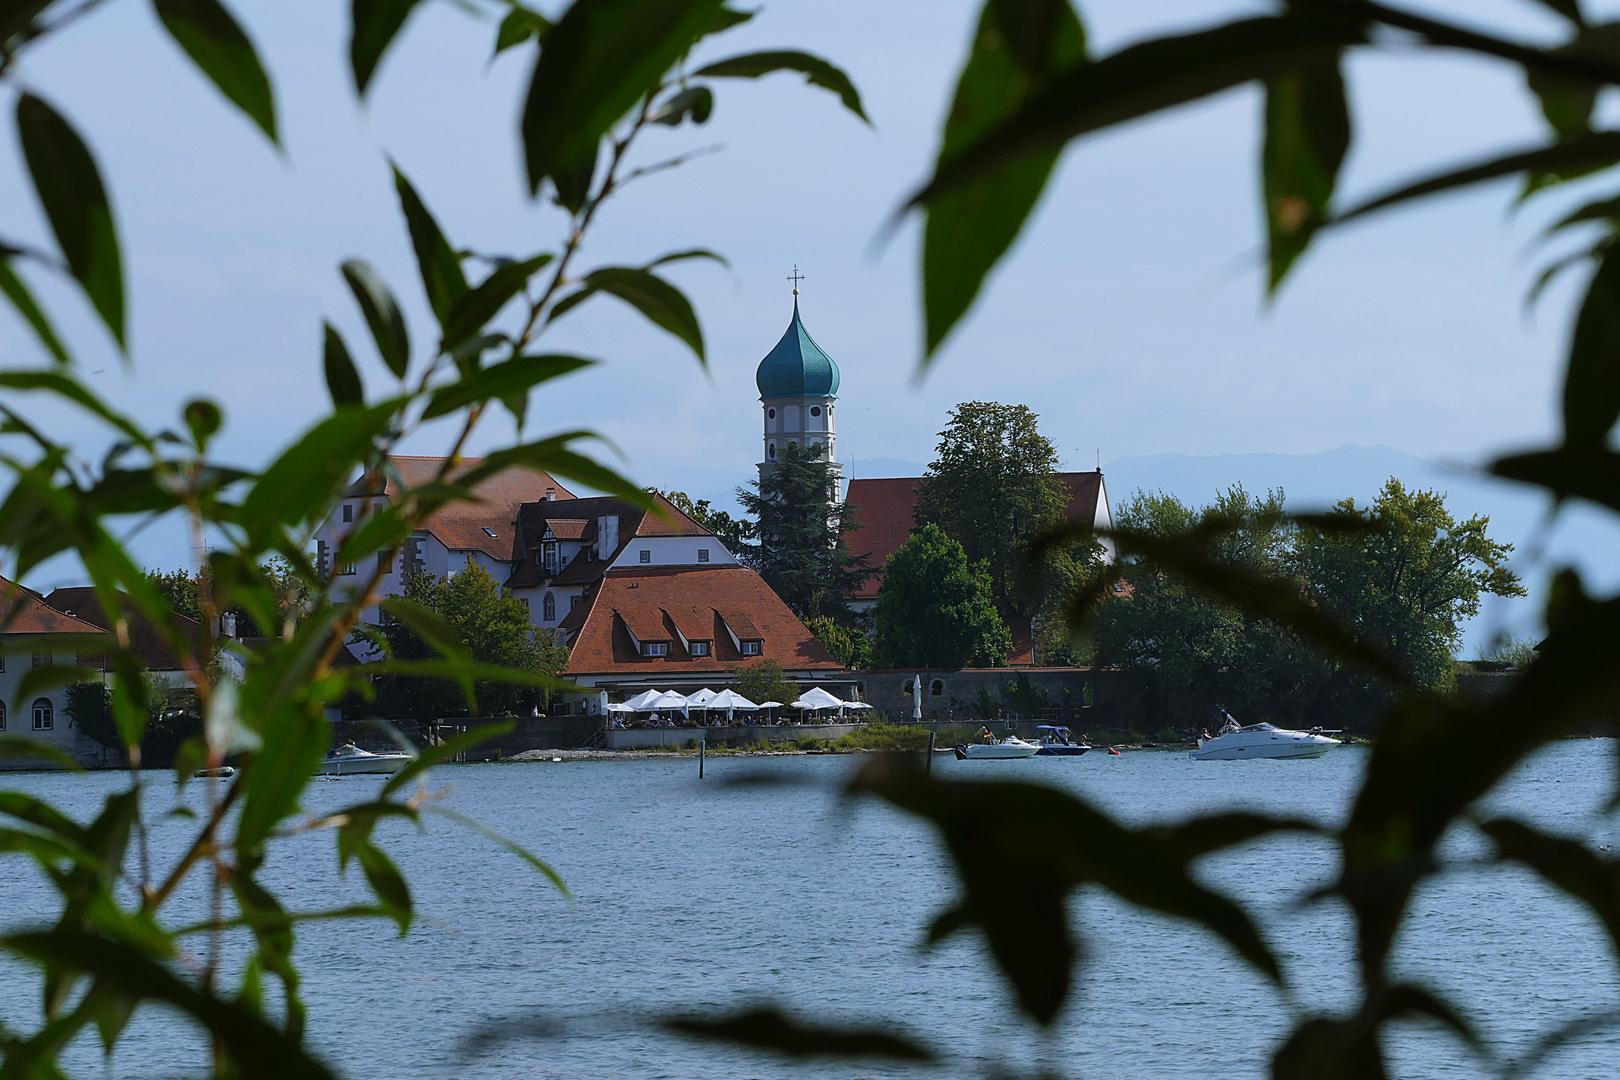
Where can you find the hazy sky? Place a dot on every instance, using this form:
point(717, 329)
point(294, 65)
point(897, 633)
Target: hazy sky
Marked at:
point(1129, 316)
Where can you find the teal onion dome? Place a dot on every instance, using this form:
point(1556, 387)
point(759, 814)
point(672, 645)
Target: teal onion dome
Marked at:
point(797, 367)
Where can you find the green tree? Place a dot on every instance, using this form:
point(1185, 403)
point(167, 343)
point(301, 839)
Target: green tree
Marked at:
point(1509, 652)
point(179, 589)
point(171, 718)
point(496, 631)
point(732, 532)
point(1406, 575)
point(800, 525)
point(1182, 644)
point(850, 645)
point(935, 609)
point(764, 681)
point(991, 487)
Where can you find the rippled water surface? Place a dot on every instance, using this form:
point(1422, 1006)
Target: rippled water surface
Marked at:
point(692, 896)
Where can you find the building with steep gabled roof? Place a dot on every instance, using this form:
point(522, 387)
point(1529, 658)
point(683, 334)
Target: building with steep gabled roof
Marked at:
point(33, 634)
point(567, 548)
point(482, 531)
point(685, 627)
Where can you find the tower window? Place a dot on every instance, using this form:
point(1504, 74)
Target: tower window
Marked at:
point(770, 414)
point(815, 410)
point(773, 451)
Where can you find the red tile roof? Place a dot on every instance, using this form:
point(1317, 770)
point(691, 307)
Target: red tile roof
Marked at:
point(461, 526)
point(602, 647)
point(886, 511)
point(23, 612)
point(145, 642)
point(535, 518)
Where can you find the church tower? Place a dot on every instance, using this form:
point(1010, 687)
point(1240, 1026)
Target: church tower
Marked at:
point(798, 384)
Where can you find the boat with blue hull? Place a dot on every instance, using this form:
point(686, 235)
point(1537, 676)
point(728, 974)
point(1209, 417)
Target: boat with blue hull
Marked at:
point(1058, 741)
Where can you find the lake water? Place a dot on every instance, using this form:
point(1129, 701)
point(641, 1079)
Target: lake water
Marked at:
point(694, 896)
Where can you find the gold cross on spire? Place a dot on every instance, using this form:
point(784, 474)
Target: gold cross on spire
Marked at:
point(795, 277)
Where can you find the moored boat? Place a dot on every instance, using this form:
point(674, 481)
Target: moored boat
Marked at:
point(1010, 747)
point(1057, 741)
point(1236, 742)
point(350, 760)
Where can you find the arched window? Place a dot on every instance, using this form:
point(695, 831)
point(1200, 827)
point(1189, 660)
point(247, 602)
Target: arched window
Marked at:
point(773, 451)
point(549, 607)
point(938, 688)
point(44, 715)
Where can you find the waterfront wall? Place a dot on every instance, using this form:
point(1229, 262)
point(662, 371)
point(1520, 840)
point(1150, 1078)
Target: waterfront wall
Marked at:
point(1065, 694)
point(675, 738)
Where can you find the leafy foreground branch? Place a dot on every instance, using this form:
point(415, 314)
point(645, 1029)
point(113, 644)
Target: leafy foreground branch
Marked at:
point(597, 94)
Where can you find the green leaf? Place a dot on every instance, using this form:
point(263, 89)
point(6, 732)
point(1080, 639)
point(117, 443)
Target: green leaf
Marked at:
point(342, 378)
point(256, 1050)
point(310, 472)
point(294, 744)
point(1350, 1049)
point(220, 49)
point(1580, 154)
point(662, 303)
point(428, 625)
point(441, 269)
point(376, 23)
point(1017, 50)
point(490, 834)
point(65, 386)
point(598, 61)
point(696, 102)
point(553, 457)
point(22, 748)
point(1019, 850)
point(17, 292)
point(1147, 78)
point(444, 750)
point(1583, 472)
point(36, 680)
point(817, 72)
point(386, 882)
point(516, 376)
point(70, 190)
point(770, 1029)
point(1565, 863)
point(519, 26)
point(470, 312)
point(1592, 375)
point(382, 314)
point(1307, 135)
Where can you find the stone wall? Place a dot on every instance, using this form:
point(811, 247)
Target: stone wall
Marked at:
point(1069, 695)
point(677, 737)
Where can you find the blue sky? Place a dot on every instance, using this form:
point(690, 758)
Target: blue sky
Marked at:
point(1129, 316)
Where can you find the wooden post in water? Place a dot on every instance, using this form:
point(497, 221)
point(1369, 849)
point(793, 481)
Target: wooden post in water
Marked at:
point(932, 735)
point(703, 745)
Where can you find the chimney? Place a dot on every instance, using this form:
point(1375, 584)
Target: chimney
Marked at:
point(607, 535)
point(551, 494)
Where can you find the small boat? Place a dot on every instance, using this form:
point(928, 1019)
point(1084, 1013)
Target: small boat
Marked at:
point(1057, 741)
point(350, 760)
point(1236, 742)
point(224, 772)
point(1010, 747)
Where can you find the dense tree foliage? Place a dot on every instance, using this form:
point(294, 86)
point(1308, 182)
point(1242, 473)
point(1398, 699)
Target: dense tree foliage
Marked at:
point(850, 645)
point(180, 589)
point(935, 610)
point(764, 681)
point(1402, 574)
point(170, 714)
point(800, 527)
point(991, 487)
point(496, 631)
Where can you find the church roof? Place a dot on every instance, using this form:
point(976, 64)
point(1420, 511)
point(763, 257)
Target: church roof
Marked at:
point(797, 367)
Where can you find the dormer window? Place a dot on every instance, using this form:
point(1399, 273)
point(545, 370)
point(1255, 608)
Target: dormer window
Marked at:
point(646, 556)
point(753, 648)
point(699, 648)
point(655, 648)
point(550, 557)
point(703, 554)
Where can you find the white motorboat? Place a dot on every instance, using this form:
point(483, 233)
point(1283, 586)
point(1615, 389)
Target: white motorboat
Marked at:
point(1235, 742)
point(1010, 747)
point(350, 760)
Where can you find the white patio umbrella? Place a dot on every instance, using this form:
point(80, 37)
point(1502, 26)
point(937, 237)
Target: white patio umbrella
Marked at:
point(701, 698)
point(643, 701)
point(617, 708)
point(669, 701)
point(856, 705)
point(817, 698)
point(916, 697)
point(730, 700)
